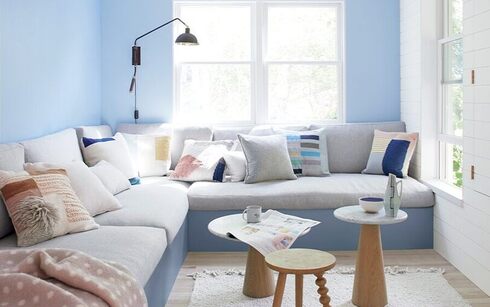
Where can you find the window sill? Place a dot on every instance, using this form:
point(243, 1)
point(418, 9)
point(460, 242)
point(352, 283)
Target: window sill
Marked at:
point(445, 190)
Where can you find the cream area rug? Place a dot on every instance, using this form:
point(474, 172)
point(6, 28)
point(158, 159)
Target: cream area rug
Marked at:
point(406, 287)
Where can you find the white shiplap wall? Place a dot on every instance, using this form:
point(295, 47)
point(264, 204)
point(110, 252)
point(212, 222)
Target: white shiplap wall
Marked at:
point(410, 70)
point(462, 232)
point(418, 55)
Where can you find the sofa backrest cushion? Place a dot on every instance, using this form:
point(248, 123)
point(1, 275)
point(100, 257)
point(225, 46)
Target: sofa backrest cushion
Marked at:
point(151, 129)
point(60, 147)
point(229, 133)
point(349, 145)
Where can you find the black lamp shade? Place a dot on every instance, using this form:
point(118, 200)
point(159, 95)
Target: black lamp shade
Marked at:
point(187, 38)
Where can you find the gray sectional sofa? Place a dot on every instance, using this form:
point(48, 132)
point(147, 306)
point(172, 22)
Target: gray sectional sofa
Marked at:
point(161, 219)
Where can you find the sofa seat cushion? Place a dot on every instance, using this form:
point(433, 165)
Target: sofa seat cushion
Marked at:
point(184, 186)
point(330, 192)
point(152, 205)
point(139, 249)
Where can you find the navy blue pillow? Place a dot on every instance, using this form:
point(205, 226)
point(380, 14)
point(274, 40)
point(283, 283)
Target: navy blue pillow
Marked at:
point(395, 157)
point(88, 141)
point(219, 171)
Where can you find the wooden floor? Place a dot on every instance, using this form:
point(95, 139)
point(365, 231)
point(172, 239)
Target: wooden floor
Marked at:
point(182, 290)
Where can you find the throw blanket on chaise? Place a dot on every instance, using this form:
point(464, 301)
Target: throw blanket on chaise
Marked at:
point(62, 277)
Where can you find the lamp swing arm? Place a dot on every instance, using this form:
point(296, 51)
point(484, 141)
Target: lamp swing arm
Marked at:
point(136, 51)
point(159, 27)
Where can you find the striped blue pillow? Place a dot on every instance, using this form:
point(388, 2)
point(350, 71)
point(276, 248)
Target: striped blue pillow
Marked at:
point(308, 152)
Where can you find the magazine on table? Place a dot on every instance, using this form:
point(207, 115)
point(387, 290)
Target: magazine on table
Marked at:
point(275, 231)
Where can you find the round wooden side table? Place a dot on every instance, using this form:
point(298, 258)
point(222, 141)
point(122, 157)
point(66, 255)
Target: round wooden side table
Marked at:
point(299, 261)
point(369, 281)
point(258, 281)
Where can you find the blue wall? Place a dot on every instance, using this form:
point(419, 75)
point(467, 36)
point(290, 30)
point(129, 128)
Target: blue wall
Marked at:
point(372, 60)
point(67, 63)
point(50, 66)
point(122, 22)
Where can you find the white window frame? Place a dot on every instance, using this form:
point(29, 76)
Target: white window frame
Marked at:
point(443, 138)
point(259, 64)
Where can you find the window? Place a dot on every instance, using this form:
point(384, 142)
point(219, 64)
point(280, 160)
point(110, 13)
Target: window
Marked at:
point(451, 94)
point(260, 62)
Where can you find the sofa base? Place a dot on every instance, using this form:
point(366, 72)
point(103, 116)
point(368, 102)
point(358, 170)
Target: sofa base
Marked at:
point(160, 284)
point(331, 234)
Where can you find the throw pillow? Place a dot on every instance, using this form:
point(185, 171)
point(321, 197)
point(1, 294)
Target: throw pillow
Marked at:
point(114, 150)
point(89, 189)
point(308, 151)
point(11, 159)
point(391, 153)
point(151, 153)
point(201, 161)
point(235, 165)
point(267, 158)
point(112, 178)
point(43, 206)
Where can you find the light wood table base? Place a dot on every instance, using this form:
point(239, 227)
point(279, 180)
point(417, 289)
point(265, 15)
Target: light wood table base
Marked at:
point(369, 282)
point(259, 280)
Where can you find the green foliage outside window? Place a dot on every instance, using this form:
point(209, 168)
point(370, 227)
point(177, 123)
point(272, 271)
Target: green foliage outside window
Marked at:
point(458, 166)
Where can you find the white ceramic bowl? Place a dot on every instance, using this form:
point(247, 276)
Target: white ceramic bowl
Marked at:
point(371, 204)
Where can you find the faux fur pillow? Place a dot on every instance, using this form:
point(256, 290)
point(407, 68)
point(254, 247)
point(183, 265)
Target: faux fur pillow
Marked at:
point(43, 206)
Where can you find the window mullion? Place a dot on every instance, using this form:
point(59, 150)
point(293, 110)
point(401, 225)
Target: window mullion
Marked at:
point(261, 108)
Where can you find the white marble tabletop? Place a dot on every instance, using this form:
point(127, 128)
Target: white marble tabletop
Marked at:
point(355, 214)
point(221, 226)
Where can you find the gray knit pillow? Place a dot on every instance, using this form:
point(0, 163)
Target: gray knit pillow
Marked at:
point(267, 158)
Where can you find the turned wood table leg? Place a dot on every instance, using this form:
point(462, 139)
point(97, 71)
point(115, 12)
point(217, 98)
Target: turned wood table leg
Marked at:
point(259, 280)
point(281, 283)
point(322, 290)
point(299, 290)
point(369, 283)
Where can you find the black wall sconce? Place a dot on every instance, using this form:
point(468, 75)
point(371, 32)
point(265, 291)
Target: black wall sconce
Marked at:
point(186, 38)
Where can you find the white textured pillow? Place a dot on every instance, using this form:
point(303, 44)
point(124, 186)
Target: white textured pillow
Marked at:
point(112, 178)
point(151, 153)
point(92, 193)
point(235, 165)
point(114, 150)
point(267, 158)
point(11, 157)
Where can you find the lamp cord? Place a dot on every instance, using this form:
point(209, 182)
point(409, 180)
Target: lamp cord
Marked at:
point(134, 88)
point(136, 112)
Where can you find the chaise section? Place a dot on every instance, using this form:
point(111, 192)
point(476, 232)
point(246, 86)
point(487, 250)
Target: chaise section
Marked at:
point(161, 204)
point(330, 192)
point(139, 249)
